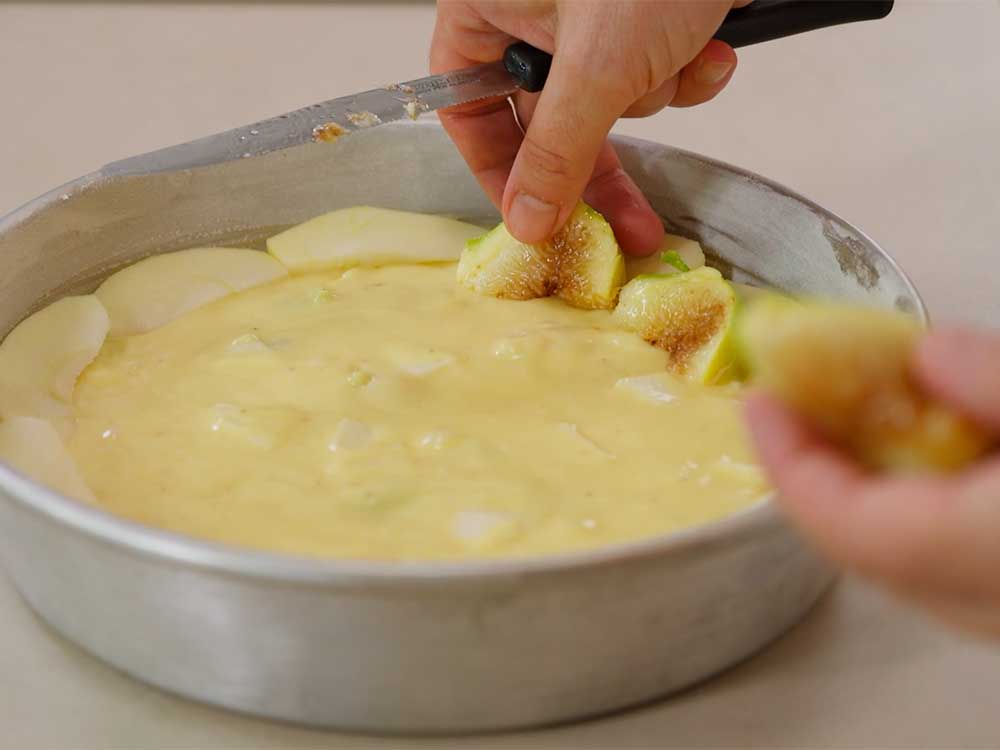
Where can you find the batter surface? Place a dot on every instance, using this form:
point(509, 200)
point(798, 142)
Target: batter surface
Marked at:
point(386, 413)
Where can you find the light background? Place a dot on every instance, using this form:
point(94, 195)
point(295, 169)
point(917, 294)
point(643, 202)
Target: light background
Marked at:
point(894, 125)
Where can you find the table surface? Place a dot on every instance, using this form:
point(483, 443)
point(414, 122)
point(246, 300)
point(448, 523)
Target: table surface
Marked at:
point(893, 125)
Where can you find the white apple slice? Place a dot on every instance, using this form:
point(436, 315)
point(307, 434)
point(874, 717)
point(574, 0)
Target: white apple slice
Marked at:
point(350, 435)
point(687, 251)
point(480, 528)
point(658, 387)
point(32, 447)
point(415, 359)
point(156, 290)
point(43, 356)
point(748, 474)
point(19, 400)
point(365, 235)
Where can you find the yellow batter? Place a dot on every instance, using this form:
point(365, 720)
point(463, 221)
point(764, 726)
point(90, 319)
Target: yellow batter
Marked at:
point(386, 413)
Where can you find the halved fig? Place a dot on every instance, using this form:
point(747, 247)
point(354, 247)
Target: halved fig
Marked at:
point(369, 236)
point(497, 265)
point(688, 315)
point(42, 357)
point(580, 264)
point(156, 290)
point(847, 371)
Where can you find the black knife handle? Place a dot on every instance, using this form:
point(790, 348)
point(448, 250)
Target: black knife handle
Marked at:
point(764, 20)
point(529, 65)
point(761, 21)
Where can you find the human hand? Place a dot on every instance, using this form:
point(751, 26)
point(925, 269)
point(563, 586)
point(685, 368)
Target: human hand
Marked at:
point(933, 539)
point(611, 59)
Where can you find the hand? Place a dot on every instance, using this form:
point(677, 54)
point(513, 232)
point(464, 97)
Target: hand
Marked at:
point(611, 59)
point(933, 539)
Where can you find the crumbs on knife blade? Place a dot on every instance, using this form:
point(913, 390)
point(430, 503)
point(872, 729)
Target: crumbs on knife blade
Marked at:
point(401, 87)
point(363, 119)
point(414, 108)
point(328, 133)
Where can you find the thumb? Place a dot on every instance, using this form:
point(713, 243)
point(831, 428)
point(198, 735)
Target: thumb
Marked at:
point(962, 367)
point(560, 148)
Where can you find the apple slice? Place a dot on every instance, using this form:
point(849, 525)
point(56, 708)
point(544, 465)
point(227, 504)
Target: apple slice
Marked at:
point(482, 528)
point(32, 447)
point(43, 356)
point(158, 289)
point(847, 370)
point(657, 388)
point(581, 263)
point(674, 254)
point(18, 400)
point(369, 236)
point(688, 315)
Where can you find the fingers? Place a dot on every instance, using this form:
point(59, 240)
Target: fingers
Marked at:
point(700, 81)
point(561, 146)
point(611, 191)
point(938, 536)
point(929, 537)
point(705, 76)
point(962, 368)
point(655, 100)
point(812, 480)
point(550, 171)
point(828, 497)
point(487, 136)
point(485, 133)
point(980, 618)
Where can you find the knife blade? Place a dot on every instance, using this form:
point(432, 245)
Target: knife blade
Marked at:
point(523, 67)
point(328, 121)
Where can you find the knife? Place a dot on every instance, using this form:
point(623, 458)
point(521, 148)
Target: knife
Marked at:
point(523, 67)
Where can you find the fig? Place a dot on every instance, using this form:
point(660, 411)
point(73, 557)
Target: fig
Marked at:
point(847, 370)
point(689, 315)
point(581, 264)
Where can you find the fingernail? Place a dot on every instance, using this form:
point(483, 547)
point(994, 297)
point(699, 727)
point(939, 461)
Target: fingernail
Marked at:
point(531, 219)
point(710, 72)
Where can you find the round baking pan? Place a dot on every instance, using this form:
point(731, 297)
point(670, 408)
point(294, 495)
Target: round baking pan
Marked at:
point(410, 646)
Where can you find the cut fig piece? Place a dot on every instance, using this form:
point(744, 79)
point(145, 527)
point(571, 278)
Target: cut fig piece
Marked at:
point(43, 356)
point(33, 447)
point(847, 371)
point(688, 315)
point(369, 236)
point(497, 265)
point(158, 289)
point(580, 264)
point(675, 253)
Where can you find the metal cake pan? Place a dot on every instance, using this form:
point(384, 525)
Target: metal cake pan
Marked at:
point(423, 646)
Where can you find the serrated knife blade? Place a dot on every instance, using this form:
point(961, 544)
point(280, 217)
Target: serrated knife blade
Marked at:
point(330, 120)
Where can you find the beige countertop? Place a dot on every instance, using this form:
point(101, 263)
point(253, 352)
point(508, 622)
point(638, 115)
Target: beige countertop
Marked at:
point(893, 125)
